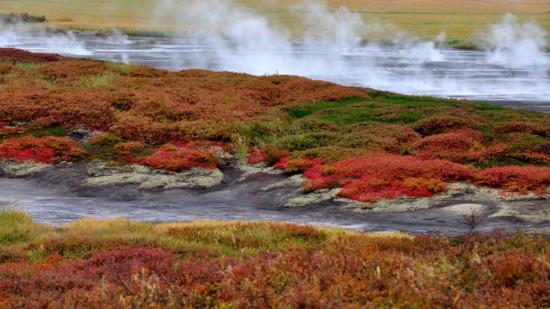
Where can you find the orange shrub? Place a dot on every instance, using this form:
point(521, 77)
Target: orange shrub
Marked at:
point(522, 127)
point(179, 158)
point(373, 177)
point(17, 55)
point(454, 146)
point(267, 154)
point(440, 124)
point(126, 151)
point(516, 178)
point(47, 150)
point(297, 165)
point(44, 108)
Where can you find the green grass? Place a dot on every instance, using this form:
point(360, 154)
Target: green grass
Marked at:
point(16, 227)
point(87, 235)
point(425, 19)
point(100, 81)
point(303, 111)
point(55, 131)
point(27, 67)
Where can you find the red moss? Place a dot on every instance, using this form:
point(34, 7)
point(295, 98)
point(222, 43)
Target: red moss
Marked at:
point(516, 178)
point(257, 156)
point(373, 177)
point(127, 151)
point(440, 124)
point(369, 189)
point(179, 158)
point(454, 146)
point(297, 165)
point(8, 130)
point(522, 127)
point(267, 154)
point(17, 55)
point(47, 150)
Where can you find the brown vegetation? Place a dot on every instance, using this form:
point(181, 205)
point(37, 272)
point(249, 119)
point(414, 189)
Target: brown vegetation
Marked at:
point(120, 264)
point(374, 145)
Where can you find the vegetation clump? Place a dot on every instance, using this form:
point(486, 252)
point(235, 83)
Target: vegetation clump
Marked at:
point(371, 144)
point(12, 18)
point(48, 150)
point(121, 264)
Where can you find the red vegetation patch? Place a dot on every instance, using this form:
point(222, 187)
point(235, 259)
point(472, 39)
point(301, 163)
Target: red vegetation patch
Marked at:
point(344, 271)
point(44, 108)
point(149, 105)
point(47, 150)
point(375, 177)
point(522, 127)
point(124, 261)
point(183, 157)
point(454, 146)
point(440, 124)
point(267, 154)
point(17, 55)
point(297, 165)
point(516, 178)
point(8, 130)
point(127, 151)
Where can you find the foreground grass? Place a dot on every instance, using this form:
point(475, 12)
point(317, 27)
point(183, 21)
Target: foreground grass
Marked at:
point(424, 18)
point(121, 264)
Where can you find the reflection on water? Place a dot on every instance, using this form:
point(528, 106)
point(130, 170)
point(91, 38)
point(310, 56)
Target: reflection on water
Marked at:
point(413, 68)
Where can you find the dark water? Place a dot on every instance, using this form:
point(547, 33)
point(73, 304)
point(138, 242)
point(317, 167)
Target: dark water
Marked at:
point(50, 200)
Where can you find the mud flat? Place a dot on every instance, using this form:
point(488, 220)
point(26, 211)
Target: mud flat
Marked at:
point(67, 192)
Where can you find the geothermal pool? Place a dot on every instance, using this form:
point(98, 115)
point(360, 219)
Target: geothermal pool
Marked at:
point(514, 78)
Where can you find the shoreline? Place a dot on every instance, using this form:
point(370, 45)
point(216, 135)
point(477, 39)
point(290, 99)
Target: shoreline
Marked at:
point(256, 194)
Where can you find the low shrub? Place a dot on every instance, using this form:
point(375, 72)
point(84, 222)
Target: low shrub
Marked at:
point(379, 138)
point(127, 151)
point(522, 127)
point(521, 179)
point(454, 146)
point(440, 124)
point(17, 55)
point(373, 177)
point(371, 189)
point(179, 158)
point(268, 154)
point(47, 150)
point(122, 264)
point(297, 165)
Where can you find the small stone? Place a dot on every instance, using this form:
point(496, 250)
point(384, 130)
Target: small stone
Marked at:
point(368, 206)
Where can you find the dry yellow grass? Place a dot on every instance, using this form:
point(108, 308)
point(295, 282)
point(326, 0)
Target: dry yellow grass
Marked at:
point(425, 18)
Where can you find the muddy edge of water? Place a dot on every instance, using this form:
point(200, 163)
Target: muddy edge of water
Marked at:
point(57, 195)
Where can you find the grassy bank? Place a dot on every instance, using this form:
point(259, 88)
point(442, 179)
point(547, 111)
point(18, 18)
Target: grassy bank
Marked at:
point(122, 264)
point(373, 145)
point(424, 18)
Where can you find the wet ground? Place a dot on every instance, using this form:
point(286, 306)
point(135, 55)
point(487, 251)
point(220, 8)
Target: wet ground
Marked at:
point(56, 197)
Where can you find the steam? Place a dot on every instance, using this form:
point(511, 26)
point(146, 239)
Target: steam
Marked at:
point(247, 42)
point(40, 40)
point(24, 36)
point(514, 44)
point(222, 35)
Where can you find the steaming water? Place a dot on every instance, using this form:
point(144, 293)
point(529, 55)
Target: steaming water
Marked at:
point(418, 69)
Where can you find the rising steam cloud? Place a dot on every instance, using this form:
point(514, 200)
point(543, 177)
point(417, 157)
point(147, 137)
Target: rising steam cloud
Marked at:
point(225, 36)
point(516, 44)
